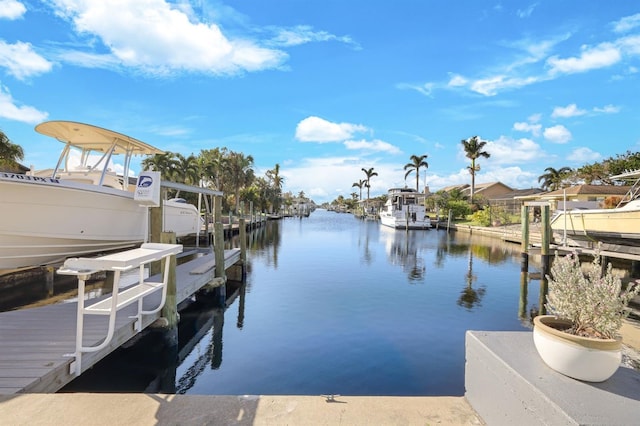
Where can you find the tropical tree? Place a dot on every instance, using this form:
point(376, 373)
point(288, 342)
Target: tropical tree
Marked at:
point(165, 163)
point(369, 173)
point(238, 173)
point(10, 153)
point(417, 161)
point(473, 149)
point(359, 184)
point(591, 173)
point(553, 179)
point(276, 182)
point(212, 167)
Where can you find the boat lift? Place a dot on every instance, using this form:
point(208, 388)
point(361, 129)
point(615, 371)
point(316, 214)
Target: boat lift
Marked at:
point(82, 268)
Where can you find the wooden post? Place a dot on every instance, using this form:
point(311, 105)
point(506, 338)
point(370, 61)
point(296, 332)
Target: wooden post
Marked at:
point(243, 243)
point(544, 251)
point(524, 289)
point(546, 239)
point(155, 228)
point(170, 308)
point(524, 244)
point(218, 247)
point(49, 274)
point(449, 221)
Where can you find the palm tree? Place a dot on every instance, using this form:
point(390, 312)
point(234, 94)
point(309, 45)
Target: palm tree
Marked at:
point(370, 173)
point(239, 173)
point(10, 153)
point(165, 163)
point(212, 166)
point(414, 165)
point(473, 150)
point(552, 179)
point(276, 183)
point(359, 184)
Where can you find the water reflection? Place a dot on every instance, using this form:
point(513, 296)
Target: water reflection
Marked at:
point(404, 248)
point(470, 297)
point(330, 303)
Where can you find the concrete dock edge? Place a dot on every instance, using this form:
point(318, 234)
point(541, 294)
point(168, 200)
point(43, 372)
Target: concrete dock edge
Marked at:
point(154, 409)
point(508, 383)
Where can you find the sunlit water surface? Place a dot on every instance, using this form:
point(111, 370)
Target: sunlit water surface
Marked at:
point(337, 305)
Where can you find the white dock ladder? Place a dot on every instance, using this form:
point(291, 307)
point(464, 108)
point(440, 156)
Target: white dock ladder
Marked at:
point(118, 263)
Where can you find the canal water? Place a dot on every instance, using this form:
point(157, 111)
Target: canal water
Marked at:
point(336, 305)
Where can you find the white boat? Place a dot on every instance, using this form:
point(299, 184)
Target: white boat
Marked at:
point(405, 209)
point(81, 206)
point(617, 226)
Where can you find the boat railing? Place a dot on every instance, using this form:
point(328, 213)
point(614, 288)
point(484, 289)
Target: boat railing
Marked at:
point(83, 268)
point(631, 195)
point(634, 192)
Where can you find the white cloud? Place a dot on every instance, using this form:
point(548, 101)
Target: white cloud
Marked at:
point(583, 155)
point(528, 127)
point(316, 129)
point(327, 177)
point(505, 150)
point(627, 23)
point(374, 145)
point(492, 85)
point(630, 45)
point(571, 110)
point(525, 13)
point(137, 37)
point(457, 81)
point(11, 9)
point(607, 109)
point(603, 55)
point(21, 61)
point(302, 34)
point(11, 111)
point(535, 118)
point(557, 134)
point(513, 177)
point(426, 89)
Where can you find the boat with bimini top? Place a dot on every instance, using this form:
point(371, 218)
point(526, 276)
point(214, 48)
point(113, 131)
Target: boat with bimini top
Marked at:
point(82, 205)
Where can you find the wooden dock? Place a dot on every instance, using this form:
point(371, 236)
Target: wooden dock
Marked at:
point(36, 342)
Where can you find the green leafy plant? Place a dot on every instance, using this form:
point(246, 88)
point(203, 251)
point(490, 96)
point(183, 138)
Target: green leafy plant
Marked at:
point(592, 300)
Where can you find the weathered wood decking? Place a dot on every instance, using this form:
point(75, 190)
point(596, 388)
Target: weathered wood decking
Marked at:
point(34, 342)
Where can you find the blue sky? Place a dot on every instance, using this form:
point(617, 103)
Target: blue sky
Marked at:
point(327, 87)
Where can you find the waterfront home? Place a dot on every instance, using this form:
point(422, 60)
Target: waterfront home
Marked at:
point(488, 191)
point(584, 197)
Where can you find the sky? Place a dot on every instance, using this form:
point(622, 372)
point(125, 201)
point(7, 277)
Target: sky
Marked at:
point(325, 88)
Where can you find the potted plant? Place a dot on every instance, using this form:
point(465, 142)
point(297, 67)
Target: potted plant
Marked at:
point(580, 338)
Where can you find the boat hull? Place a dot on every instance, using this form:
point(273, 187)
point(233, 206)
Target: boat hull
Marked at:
point(47, 220)
point(611, 226)
point(393, 221)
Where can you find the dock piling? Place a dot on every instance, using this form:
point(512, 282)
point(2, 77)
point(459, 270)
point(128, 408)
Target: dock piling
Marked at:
point(170, 308)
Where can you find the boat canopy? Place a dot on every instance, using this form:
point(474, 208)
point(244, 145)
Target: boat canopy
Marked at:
point(93, 138)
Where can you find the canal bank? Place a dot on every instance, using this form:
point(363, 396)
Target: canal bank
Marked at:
point(156, 409)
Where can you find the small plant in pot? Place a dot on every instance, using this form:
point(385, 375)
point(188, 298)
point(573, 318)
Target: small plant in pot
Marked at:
point(580, 338)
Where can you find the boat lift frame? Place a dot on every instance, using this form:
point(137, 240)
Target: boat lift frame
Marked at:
point(82, 268)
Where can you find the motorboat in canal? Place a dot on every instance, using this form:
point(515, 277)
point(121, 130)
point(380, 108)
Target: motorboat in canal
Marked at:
point(619, 226)
point(82, 205)
point(405, 209)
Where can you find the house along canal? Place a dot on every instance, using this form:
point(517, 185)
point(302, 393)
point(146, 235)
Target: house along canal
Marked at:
point(336, 305)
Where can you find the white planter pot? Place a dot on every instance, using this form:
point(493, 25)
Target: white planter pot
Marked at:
point(583, 358)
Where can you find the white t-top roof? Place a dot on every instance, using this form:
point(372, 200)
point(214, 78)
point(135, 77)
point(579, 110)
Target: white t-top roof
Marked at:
point(89, 137)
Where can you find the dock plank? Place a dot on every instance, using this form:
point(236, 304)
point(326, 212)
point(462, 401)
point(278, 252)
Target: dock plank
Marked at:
point(35, 340)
